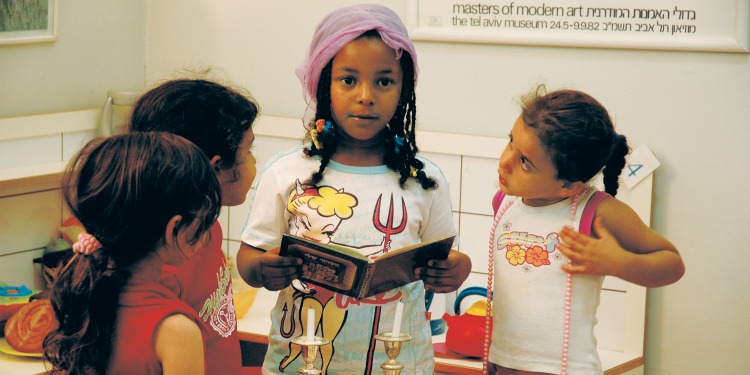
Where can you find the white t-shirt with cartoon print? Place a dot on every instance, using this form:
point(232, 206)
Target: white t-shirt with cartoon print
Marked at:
point(363, 208)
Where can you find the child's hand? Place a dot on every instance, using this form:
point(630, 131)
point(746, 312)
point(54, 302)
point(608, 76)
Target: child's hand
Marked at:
point(444, 276)
point(277, 272)
point(590, 255)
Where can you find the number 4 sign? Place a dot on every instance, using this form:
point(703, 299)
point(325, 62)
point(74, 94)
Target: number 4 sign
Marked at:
point(639, 164)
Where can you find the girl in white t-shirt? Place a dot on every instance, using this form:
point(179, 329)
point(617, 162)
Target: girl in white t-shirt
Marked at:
point(547, 276)
point(356, 182)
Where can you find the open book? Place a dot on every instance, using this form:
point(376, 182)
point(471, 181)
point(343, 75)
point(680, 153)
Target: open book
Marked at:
point(346, 271)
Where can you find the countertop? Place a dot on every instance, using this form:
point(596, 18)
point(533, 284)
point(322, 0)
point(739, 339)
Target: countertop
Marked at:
point(256, 324)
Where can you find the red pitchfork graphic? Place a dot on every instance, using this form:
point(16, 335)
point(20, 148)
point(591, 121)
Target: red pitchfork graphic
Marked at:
point(388, 228)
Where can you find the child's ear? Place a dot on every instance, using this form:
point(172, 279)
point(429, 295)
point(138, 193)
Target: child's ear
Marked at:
point(171, 233)
point(215, 160)
point(569, 189)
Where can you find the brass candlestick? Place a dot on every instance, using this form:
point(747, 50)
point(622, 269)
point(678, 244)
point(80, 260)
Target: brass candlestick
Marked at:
point(392, 350)
point(309, 352)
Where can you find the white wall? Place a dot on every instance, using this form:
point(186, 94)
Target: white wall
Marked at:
point(100, 47)
point(691, 108)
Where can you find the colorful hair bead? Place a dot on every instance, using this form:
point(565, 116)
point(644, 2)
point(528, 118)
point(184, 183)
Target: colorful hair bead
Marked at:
point(399, 142)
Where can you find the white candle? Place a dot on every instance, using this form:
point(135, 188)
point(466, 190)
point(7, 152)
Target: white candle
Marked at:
point(396, 332)
point(310, 325)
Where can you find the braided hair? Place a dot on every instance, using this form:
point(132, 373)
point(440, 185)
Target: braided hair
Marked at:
point(400, 158)
point(578, 133)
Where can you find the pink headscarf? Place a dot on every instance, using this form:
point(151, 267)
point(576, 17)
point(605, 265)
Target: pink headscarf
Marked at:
point(342, 26)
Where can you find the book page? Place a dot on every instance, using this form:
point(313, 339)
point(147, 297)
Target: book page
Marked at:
point(396, 268)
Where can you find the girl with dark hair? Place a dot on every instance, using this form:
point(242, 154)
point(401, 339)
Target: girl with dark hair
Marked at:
point(145, 200)
point(218, 118)
point(356, 182)
point(546, 276)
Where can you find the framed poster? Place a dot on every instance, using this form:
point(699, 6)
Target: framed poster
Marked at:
point(27, 21)
point(690, 25)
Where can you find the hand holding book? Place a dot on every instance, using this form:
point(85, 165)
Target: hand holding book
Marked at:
point(346, 271)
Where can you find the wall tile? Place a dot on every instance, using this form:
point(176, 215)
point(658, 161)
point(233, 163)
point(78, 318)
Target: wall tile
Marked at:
point(232, 248)
point(19, 269)
point(475, 230)
point(30, 151)
point(237, 218)
point(29, 221)
point(614, 283)
point(74, 141)
point(456, 223)
point(265, 147)
point(478, 185)
point(451, 167)
point(611, 315)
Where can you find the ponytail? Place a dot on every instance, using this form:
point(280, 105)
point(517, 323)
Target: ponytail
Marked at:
point(85, 297)
point(614, 166)
point(124, 190)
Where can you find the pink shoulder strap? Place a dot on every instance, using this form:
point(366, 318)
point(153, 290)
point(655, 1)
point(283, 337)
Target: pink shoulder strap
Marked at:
point(497, 199)
point(587, 218)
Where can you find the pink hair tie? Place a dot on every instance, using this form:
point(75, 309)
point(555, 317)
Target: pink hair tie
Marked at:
point(86, 244)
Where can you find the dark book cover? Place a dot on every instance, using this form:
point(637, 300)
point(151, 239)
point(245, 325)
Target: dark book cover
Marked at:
point(346, 271)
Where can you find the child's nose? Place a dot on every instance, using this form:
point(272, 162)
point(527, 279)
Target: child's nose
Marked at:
point(365, 95)
point(504, 162)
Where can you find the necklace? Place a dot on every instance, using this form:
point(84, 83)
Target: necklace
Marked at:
point(490, 277)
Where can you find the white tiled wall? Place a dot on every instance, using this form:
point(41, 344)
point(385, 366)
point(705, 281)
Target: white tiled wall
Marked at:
point(28, 221)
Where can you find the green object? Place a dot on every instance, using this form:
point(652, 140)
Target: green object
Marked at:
point(58, 244)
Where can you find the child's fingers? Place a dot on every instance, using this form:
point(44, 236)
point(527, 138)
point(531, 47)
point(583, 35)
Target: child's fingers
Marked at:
point(279, 272)
point(275, 250)
point(573, 243)
point(271, 259)
point(438, 284)
point(569, 251)
point(439, 264)
point(277, 278)
point(573, 268)
point(437, 280)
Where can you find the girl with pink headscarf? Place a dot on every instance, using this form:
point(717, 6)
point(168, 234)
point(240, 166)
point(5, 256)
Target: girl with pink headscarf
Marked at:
point(357, 181)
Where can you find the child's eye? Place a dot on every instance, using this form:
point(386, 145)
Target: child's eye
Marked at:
point(385, 82)
point(348, 80)
point(525, 164)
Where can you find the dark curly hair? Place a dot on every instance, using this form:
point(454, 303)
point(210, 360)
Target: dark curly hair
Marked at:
point(124, 190)
point(578, 133)
point(213, 116)
point(402, 124)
